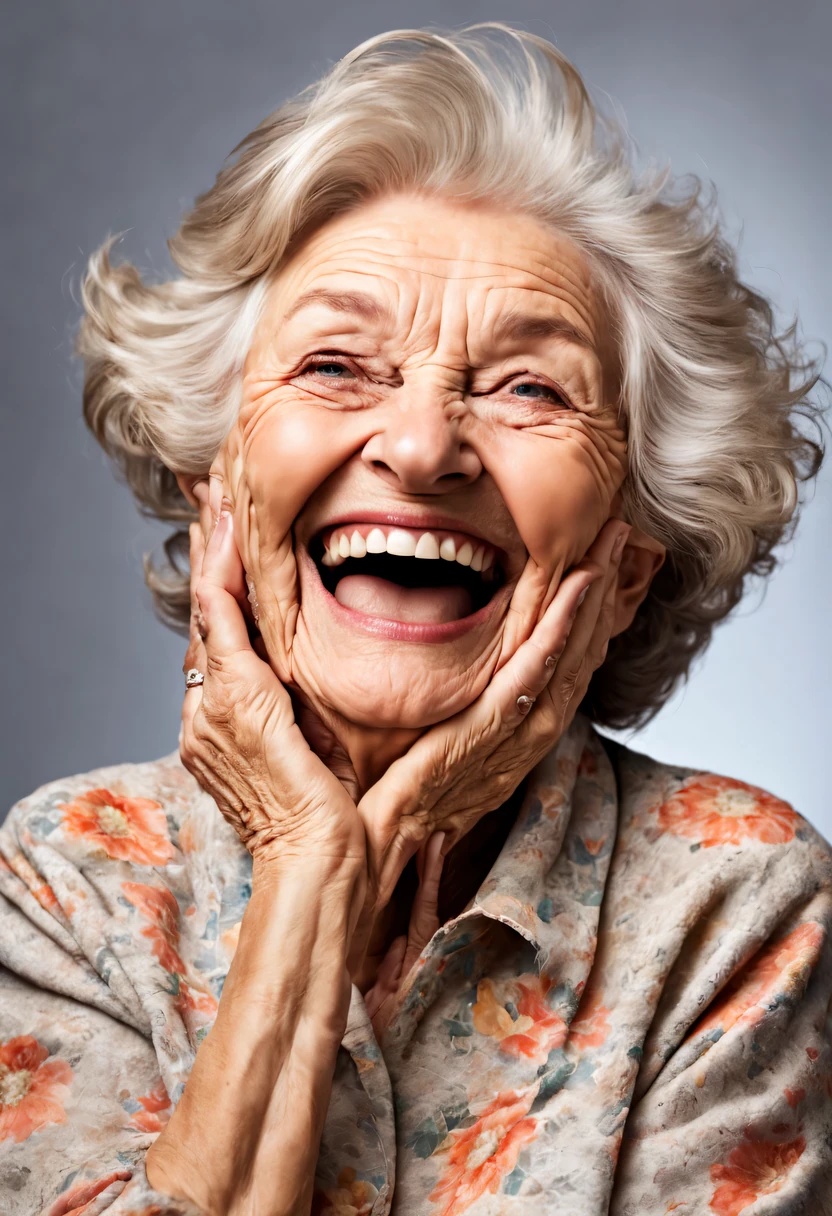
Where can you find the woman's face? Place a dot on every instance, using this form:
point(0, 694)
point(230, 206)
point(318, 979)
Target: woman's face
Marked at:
point(428, 440)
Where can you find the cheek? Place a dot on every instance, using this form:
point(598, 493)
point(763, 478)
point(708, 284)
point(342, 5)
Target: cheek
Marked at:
point(290, 451)
point(558, 489)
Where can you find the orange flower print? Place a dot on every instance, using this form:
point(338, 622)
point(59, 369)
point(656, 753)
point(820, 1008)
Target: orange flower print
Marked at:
point(33, 1088)
point(78, 1198)
point(156, 1112)
point(41, 890)
point(775, 969)
point(587, 765)
point(158, 905)
point(718, 810)
point(481, 1156)
point(590, 1026)
point(351, 1198)
point(754, 1168)
point(534, 1033)
point(126, 829)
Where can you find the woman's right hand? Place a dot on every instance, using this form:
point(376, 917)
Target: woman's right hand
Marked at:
point(230, 1147)
point(239, 736)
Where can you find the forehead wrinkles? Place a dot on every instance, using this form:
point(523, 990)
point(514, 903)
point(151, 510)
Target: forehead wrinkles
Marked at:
point(428, 306)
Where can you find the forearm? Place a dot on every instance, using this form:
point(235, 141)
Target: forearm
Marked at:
point(245, 1135)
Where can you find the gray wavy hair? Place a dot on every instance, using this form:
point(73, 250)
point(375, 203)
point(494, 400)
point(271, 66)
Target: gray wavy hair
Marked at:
point(712, 396)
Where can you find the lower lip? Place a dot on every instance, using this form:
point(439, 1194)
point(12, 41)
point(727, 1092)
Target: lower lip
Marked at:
point(399, 631)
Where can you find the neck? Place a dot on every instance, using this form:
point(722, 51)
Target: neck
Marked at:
point(358, 755)
point(372, 750)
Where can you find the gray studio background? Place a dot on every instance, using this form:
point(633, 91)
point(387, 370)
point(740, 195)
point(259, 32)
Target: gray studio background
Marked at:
point(115, 115)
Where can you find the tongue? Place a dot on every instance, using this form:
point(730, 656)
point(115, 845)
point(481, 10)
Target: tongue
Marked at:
point(413, 605)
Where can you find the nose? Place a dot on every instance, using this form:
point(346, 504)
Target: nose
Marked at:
point(419, 449)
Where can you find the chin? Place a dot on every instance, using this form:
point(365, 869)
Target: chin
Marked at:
point(386, 690)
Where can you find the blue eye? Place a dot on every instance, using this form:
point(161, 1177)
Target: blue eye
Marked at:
point(331, 370)
point(531, 389)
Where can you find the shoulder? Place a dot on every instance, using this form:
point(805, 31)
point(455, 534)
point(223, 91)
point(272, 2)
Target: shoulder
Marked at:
point(147, 814)
point(719, 821)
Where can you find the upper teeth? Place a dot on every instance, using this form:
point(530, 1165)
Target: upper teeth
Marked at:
point(358, 542)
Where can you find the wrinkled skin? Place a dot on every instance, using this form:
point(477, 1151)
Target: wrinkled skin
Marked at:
point(436, 361)
point(341, 745)
point(425, 414)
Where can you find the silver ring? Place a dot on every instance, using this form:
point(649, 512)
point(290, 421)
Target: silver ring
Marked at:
point(194, 677)
point(524, 704)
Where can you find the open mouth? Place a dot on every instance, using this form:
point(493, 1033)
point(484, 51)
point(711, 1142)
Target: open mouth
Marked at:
point(408, 575)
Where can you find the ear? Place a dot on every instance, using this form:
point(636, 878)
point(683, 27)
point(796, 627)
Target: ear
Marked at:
point(642, 558)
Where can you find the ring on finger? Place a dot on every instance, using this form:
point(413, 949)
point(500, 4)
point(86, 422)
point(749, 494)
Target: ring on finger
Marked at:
point(525, 703)
point(194, 677)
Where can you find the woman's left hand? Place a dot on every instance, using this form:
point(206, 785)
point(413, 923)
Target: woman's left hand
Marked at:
point(471, 763)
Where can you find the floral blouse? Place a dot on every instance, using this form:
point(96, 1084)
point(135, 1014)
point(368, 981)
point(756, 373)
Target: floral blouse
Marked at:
point(632, 1016)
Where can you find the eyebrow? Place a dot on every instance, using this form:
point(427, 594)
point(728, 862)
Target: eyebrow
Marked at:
point(359, 303)
point(519, 327)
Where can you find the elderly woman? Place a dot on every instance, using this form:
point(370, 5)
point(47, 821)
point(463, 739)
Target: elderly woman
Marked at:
point(483, 436)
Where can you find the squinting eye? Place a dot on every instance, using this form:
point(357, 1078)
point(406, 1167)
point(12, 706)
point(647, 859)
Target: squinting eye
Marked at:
point(331, 370)
point(531, 389)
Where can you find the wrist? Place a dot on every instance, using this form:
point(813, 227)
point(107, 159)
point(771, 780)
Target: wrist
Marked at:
point(335, 870)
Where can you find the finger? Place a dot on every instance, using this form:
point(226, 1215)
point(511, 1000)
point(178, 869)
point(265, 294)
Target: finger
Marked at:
point(429, 866)
point(601, 635)
point(536, 661)
point(215, 495)
point(197, 557)
point(387, 979)
point(424, 919)
point(225, 633)
point(515, 687)
point(195, 654)
point(200, 492)
point(607, 552)
point(388, 857)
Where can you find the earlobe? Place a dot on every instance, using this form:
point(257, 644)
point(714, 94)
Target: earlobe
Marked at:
point(641, 560)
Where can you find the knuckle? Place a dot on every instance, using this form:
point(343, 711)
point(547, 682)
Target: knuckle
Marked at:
point(524, 688)
point(546, 720)
point(205, 593)
point(186, 750)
